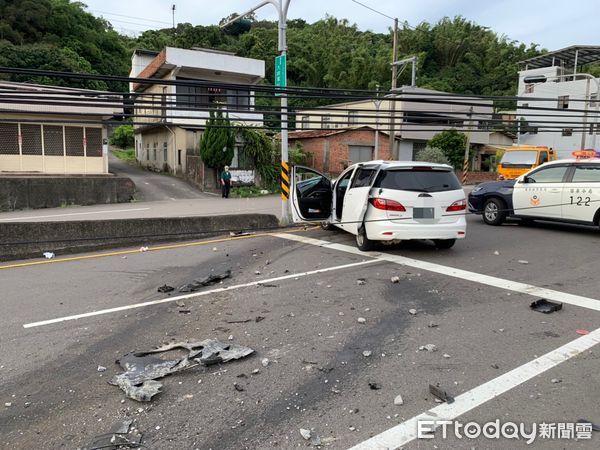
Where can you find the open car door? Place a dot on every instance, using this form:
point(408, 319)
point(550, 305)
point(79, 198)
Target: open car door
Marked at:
point(310, 195)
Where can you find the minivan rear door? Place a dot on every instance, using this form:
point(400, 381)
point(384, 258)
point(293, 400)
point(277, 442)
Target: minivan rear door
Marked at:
point(425, 193)
point(357, 197)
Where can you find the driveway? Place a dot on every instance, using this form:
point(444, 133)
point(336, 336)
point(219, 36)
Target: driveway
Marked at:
point(154, 187)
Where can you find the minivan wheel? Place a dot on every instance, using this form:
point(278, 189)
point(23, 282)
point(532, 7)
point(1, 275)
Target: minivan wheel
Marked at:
point(327, 226)
point(362, 242)
point(444, 243)
point(494, 211)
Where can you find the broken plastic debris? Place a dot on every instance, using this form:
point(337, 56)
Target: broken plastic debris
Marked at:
point(522, 261)
point(544, 306)
point(165, 288)
point(315, 440)
point(121, 435)
point(206, 281)
point(496, 252)
point(239, 233)
point(101, 369)
point(582, 332)
point(361, 320)
point(398, 400)
point(395, 279)
point(440, 394)
point(143, 249)
point(367, 353)
point(143, 368)
point(428, 347)
point(412, 312)
point(374, 386)
point(48, 255)
point(361, 281)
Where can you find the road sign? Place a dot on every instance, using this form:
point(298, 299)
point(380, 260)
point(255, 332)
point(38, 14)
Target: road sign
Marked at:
point(280, 71)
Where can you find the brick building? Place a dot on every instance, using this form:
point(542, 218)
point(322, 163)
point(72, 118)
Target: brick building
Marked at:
point(334, 150)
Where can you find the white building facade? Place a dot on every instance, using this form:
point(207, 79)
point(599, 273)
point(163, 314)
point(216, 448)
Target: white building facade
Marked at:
point(170, 118)
point(558, 105)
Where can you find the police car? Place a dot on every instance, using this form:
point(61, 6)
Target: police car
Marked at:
point(384, 201)
point(565, 190)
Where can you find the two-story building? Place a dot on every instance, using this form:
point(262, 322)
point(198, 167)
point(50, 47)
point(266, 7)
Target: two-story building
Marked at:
point(419, 114)
point(170, 117)
point(559, 101)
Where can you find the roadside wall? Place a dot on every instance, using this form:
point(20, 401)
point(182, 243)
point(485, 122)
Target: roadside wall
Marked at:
point(19, 192)
point(19, 240)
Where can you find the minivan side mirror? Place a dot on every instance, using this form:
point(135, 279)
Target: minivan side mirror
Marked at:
point(525, 180)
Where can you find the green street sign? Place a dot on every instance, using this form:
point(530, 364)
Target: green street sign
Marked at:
point(280, 71)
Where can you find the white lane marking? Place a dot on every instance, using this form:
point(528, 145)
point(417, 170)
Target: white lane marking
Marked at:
point(577, 300)
point(406, 432)
point(195, 294)
point(12, 219)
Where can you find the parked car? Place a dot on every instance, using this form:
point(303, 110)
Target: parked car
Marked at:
point(566, 190)
point(387, 201)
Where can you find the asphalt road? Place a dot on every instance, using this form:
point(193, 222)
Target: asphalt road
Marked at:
point(490, 344)
point(151, 186)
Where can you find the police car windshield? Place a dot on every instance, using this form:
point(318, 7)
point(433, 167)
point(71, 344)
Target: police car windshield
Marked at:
point(520, 157)
point(418, 179)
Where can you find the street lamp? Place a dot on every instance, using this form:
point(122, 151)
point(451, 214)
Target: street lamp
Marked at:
point(534, 79)
point(282, 9)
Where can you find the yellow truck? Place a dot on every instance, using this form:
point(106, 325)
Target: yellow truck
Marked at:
point(521, 159)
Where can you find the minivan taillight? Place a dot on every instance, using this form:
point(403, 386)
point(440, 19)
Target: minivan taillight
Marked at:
point(459, 205)
point(387, 205)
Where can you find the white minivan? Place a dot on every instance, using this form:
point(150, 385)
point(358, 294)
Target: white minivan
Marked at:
point(388, 201)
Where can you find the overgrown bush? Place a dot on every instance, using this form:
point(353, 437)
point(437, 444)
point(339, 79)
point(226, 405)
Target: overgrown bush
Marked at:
point(122, 137)
point(256, 144)
point(432, 154)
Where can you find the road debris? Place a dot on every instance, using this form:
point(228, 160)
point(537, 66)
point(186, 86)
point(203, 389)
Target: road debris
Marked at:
point(48, 255)
point(265, 362)
point(8, 404)
point(367, 353)
point(165, 288)
point(395, 279)
point(495, 366)
point(101, 369)
point(361, 320)
point(496, 252)
point(361, 281)
point(239, 233)
point(143, 368)
point(238, 388)
point(440, 394)
point(446, 355)
point(556, 380)
point(433, 325)
point(522, 261)
point(206, 281)
point(121, 435)
point(544, 306)
point(428, 347)
point(374, 386)
point(412, 312)
point(398, 401)
point(143, 249)
point(582, 332)
point(312, 435)
point(214, 249)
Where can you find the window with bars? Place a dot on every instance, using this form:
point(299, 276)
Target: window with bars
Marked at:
point(9, 139)
point(165, 148)
point(53, 140)
point(93, 138)
point(74, 141)
point(31, 139)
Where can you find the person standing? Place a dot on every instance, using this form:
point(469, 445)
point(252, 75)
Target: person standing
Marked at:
point(225, 182)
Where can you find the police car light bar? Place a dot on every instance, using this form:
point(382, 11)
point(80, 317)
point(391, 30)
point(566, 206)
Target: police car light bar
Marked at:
point(586, 154)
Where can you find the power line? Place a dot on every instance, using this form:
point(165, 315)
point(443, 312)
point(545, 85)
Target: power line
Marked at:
point(130, 17)
point(373, 9)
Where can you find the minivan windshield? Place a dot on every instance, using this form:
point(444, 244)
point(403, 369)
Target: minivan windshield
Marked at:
point(418, 179)
point(519, 158)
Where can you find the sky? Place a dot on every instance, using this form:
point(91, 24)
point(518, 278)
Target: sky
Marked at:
point(552, 24)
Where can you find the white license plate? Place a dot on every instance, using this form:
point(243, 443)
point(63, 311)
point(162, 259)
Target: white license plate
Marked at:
point(423, 213)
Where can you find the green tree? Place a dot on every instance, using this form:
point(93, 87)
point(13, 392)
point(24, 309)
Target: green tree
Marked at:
point(256, 144)
point(452, 143)
point(123, 137)
point(217, 141)
point(432, 154)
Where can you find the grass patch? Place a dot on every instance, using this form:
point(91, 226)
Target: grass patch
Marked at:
point(127, 155)
point(250, 191)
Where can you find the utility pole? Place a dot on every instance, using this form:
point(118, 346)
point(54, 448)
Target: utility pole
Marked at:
point(173, 14)
point(282, 9)
point(392, 136)
point(377, 105)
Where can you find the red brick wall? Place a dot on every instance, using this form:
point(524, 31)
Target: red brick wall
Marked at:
point(338, 148)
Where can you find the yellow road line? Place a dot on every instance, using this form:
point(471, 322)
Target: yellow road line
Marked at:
point(150, 249)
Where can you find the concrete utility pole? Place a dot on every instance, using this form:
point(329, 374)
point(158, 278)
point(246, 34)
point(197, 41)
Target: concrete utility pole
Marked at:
point(173, 14)
point(467, 145)
point(392, 135)
point(377, 105)
point(282, 9)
